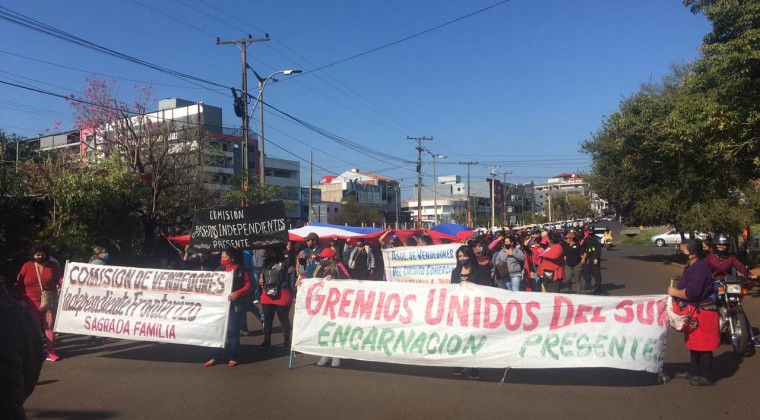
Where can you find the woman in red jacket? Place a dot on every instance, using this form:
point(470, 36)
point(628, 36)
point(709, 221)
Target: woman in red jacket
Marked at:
point(35, 275)
point(232, 260)
point(551, 266)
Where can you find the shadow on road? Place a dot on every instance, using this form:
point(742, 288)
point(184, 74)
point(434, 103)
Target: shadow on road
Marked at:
point(71, 414)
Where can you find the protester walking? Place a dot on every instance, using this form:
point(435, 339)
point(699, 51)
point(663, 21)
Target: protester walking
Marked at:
point(232, 261)
point(21, 355)
point(275, 296)
point(694, 288)
point(508, 265)
point(99, 256)
point(361, 262)
point(38, 283)
point(573, 261)
point(551, 266)
point(592, 259)
point(468, 271)
point(330, 269)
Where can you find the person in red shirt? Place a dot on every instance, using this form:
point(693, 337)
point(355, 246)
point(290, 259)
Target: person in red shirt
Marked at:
point(551, 266)
point(232, 260)
point(37, 274)
point(276, 297)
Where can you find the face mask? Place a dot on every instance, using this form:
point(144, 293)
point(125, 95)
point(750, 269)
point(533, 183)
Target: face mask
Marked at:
point(105, 256)
point(225, 261)
point(465, 262)
point(479, 250)
point(360, 244)
point(324, 262)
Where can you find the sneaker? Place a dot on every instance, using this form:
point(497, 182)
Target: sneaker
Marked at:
point(52, 357)
point(210, 363)
point(757, 342)
point(256, 301)
point(458, 371)
point(243, 333)
point(335, 362)
point(700, 381)
point(233, 363)
point(683, 375)
point(474, 374)
point(323, 361)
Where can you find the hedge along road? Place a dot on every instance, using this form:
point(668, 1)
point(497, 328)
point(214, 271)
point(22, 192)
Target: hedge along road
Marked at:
point(131, 379)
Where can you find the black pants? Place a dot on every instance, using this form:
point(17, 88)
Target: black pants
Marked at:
point(589, 271)
point(701, 364)
point(283, 313)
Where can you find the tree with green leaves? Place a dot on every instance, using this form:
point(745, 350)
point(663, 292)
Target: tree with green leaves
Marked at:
point(354, 214)
point(17, 225)
point(685, 151)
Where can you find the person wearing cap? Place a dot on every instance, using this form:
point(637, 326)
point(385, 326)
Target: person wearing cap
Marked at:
point(592, 258)
point(307, 258)
point(573, 266)
point(361, 262)
point(330, 269)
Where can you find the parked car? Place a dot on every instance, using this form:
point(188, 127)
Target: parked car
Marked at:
point(672, 237)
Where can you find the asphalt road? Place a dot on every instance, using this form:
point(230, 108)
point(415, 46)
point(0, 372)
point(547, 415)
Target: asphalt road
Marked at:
point(139, 380)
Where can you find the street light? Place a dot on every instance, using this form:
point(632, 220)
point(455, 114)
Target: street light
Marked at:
point(435, 186)
point(262, 84)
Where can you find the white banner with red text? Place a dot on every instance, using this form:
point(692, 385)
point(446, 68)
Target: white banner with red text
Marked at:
point(475, 326)
point(168, 306)
point(420, 264)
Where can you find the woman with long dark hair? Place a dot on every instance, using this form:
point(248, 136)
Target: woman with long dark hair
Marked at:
point(232, 261)
point(695, 288)
point(275, 296)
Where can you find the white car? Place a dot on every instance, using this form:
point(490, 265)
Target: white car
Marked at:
point(672, 237)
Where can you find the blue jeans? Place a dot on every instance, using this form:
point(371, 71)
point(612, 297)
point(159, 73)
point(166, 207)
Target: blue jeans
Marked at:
point(515, 283)
point(233, 337)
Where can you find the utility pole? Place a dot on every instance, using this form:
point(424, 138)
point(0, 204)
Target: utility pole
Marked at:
point(532, 202)
point(420, 149)
point(493, 197)
point(311, 181)
point(469, 217)
point(244, 98)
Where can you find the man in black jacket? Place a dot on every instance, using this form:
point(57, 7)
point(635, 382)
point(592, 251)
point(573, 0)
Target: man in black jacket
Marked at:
point(21, 355)
point(592, 259)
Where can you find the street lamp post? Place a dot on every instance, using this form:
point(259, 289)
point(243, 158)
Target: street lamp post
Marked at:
point(260, 101)
point(435, 186)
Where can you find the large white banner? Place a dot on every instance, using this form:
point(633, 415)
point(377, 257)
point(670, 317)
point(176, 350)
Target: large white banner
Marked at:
point(475, 326)
point(420, 264)
point(170, 306)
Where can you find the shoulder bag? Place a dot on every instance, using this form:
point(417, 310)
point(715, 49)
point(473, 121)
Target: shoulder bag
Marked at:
point(48, 299)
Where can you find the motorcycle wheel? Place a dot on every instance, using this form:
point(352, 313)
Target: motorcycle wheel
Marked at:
point(740, 337)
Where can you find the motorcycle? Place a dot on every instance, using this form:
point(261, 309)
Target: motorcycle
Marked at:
point(733, 322)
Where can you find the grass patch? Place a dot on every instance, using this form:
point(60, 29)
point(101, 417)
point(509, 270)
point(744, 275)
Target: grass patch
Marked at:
point(643, 238)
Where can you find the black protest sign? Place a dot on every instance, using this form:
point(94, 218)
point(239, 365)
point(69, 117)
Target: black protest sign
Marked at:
point(239, 227)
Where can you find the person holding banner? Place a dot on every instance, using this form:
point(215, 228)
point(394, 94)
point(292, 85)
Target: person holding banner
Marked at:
point(551, 266)
point(508, 265)
point(329, 269)
point(695, 288)
point(99, 257)
point(361, 262)
point(275, 296)
point(39, 275)
point(232, 260)
point(468, 270)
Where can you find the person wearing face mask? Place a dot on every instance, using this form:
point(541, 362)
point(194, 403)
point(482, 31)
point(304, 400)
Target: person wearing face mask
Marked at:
point(307, 258)
point(35, 276)
point(330, 269)
point(232, 261)
point(361, 262)
point(468, 271)
point(551, 266)
point(276, 296)
point(99, 257)
point(508, 265)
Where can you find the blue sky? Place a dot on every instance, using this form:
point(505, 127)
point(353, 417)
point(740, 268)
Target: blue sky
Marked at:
point(519, 86)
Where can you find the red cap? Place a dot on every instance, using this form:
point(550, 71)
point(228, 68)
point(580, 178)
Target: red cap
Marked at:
point(327, 253)
point(545, 241)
